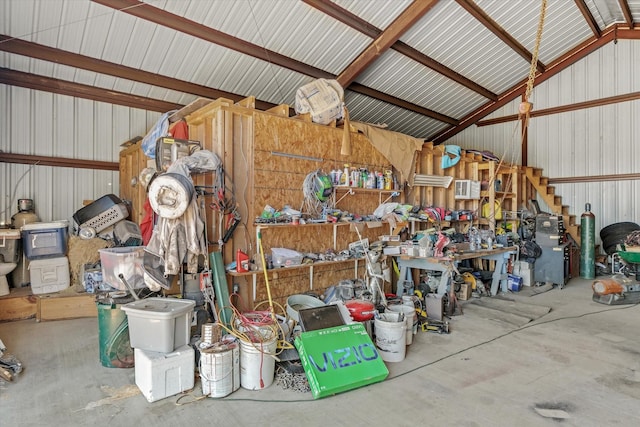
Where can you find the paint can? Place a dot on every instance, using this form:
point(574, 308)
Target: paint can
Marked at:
point(390, 332)
point(220, 369)
point(257, 365)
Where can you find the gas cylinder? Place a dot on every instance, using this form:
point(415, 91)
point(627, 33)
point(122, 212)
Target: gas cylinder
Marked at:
point(26, 215)
point(587, 244)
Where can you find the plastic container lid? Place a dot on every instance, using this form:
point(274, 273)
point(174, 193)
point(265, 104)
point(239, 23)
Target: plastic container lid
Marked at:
point(9, 234)
point(159, 308)
point(45, 225)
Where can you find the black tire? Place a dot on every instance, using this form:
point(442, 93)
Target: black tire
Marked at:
point(615, 234)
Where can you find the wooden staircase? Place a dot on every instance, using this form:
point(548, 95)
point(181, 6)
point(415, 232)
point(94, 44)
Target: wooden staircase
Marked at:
point(547, 193)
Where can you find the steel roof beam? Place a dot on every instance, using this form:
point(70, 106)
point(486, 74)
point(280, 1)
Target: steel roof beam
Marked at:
point(62, 87)
point(480, 15)
point(183, 25)
point(588, 16)
point(58, 56)
point(342, 15)
point(626, 12)
point(412, 14)
point(610, 34)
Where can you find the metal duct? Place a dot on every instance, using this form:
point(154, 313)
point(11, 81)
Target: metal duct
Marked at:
point(432, 180)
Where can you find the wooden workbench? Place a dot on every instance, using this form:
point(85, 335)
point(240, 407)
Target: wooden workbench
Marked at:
point(446, 265)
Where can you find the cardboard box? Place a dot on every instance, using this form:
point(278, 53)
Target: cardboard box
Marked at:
point(524, 270)
point(465, 292)
point(339, 359)
point(391, 250)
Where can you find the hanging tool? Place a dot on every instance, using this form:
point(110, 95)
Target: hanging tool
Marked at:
point(232, 221)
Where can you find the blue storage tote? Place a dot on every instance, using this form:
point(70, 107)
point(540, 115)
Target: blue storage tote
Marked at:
point(45, 239)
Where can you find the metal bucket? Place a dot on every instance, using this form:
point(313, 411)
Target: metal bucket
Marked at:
point(220, 369)
point(113, 335)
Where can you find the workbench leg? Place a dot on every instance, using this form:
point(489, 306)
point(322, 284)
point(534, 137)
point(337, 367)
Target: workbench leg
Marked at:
point(499, 277)
point(405, 278)
point(445, 278)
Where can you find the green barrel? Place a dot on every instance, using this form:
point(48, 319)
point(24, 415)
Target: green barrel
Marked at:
point(113, 333)
point(588, 244)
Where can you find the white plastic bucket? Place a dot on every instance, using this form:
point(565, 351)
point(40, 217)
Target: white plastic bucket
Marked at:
point(410, 319)
point(390, 334)
point(257, 366)
point(220, 370)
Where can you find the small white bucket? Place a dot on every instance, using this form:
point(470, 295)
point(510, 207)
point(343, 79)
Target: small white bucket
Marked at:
point(390, 331)
point(410, 319)
point(220, 370)
point(257, 366)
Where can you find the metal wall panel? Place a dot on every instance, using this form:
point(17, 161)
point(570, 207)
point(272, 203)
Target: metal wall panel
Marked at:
point(45, 124)
point(588, 142)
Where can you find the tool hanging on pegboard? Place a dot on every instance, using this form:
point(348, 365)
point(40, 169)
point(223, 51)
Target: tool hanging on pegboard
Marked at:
point(224, 203)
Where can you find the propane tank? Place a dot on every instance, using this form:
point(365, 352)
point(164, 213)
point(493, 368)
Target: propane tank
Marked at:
point(20, 276)
point(587, 244)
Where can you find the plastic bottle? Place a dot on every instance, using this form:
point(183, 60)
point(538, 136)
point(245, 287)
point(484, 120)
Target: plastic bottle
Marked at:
point(387, 180)
point(344, 179)
point(371, 180)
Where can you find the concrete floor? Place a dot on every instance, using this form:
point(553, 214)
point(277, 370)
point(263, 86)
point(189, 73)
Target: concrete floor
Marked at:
point(579, 365)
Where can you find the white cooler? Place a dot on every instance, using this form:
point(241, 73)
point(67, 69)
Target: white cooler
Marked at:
point(160, 375)
point(49, 275)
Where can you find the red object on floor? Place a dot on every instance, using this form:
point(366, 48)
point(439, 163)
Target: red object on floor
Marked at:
point(360, 310)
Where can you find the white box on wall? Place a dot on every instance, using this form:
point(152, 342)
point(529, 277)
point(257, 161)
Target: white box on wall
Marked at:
point(467, 189)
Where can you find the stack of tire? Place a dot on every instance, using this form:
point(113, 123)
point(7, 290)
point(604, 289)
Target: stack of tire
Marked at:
point(615, 234)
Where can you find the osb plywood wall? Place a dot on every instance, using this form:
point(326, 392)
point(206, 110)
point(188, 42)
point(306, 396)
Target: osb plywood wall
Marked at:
point(266, 158)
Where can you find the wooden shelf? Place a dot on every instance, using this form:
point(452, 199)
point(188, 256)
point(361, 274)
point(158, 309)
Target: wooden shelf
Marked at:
point(364, 190)
point(293, 267)
point(347, 191)
point(254, 274)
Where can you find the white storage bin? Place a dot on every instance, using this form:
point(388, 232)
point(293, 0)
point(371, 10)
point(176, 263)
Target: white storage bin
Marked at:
point(159, 324)
point(49, 275)
point(126, 261)
point(160, 375)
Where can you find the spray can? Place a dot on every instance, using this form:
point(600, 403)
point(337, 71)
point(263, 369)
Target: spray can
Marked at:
point(587, 244)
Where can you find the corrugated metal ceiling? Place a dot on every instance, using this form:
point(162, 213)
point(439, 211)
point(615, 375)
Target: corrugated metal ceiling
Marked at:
point(465, 40)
